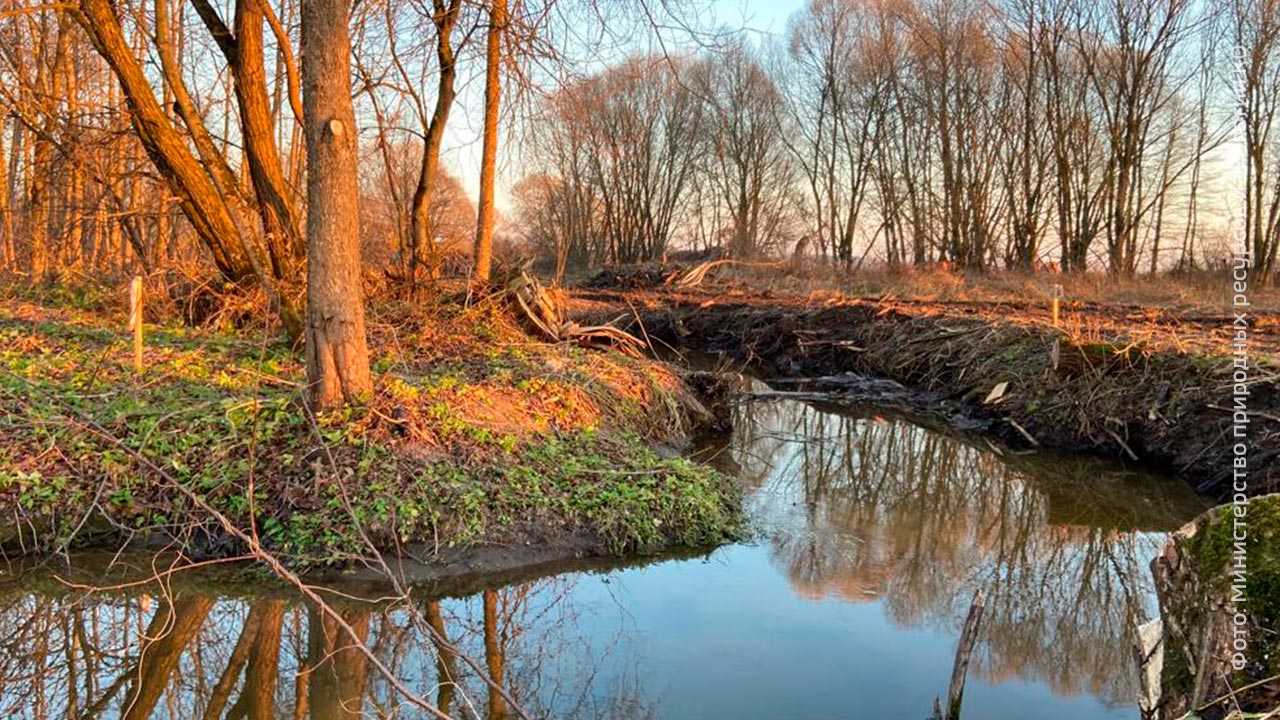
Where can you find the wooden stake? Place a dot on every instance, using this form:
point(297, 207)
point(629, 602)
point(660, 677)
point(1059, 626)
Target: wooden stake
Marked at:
point(135, 321)
point(968, 638)
point(1057, 302)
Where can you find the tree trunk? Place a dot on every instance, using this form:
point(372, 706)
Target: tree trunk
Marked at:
point(421, 231)
point(337, 355)
point(258, 131)
point(484, 221)
point(8, 249)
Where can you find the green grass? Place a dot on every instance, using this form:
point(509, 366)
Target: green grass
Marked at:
point(91, 453)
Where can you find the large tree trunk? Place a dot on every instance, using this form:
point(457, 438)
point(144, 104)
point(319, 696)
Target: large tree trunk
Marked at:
point(243, 51)
point(337, 356)
point(492, 95)
point(259, 133)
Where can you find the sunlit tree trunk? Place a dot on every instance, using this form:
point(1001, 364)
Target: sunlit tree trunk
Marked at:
point(8, 256)
point(488, 159)
point(243, 51)
point(444, 17)
point(337, 354)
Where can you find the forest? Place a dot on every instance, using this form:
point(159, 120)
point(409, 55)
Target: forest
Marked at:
point(1024, 134)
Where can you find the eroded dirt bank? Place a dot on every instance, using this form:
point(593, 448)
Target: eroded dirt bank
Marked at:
point(1150, 386)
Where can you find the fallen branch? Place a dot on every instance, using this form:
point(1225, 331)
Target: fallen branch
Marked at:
point(968, 638)
point(1023, 431)
point(695, 275)
point(1127, 450)
point(543, 312)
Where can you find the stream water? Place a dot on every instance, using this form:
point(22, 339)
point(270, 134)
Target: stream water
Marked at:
point(872, 534)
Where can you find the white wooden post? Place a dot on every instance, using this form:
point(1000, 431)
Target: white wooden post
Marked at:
point(1057, 303)
point(135, 321)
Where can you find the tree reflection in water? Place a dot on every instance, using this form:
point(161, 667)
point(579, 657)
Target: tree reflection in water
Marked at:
point(191, 655)
point(863, 507)
point(853, 506)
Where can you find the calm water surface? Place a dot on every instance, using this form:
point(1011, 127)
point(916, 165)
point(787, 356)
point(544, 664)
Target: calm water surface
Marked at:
point(872, 536)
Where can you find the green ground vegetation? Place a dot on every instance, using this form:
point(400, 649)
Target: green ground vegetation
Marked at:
point(477, 434)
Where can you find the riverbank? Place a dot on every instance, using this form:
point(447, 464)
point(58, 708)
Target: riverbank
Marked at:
point(1149, 386)
point(480, 442)
point(1218, 582)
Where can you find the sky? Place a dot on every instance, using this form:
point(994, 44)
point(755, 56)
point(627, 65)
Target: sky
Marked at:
point(461, 152)
point(758, 19)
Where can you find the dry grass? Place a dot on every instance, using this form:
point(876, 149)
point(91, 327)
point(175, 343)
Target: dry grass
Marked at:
point(1200, 290)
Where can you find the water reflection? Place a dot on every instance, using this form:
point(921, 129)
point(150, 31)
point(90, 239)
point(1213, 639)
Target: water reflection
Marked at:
point(193, 654)
point(856, 512)
point(861, 507)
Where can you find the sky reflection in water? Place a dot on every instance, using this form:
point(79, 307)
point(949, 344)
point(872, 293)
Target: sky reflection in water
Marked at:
point(873, 535)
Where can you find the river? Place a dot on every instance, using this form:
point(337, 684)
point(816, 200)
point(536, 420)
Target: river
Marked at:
point(870, 536)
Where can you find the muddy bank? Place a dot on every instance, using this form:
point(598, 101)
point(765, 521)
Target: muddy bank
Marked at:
point(1126, 397)
point(454, 572)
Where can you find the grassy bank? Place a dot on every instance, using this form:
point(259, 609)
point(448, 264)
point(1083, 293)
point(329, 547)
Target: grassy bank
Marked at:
point(478, 435)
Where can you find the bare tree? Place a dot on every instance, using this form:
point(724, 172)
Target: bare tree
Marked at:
point(625, 148)
point(1027, 155)
point(837, 109)
point(748, 163)
point(407, 71)
point(483, 255)
point(1254, 29)
point(1131, 51)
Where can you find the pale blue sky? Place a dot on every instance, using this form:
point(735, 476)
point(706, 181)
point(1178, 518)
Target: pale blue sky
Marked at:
point(757, 15)
point(462, 151)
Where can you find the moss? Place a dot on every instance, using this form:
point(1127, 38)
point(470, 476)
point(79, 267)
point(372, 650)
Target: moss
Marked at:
point(1210, 551)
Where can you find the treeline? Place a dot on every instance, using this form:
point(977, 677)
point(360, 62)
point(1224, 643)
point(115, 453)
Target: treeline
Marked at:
point(1010, 134)
point(167, 135)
